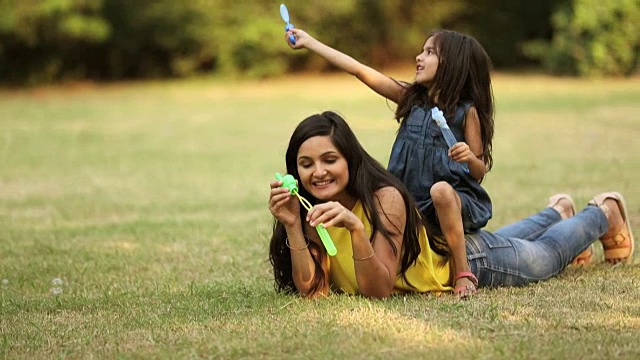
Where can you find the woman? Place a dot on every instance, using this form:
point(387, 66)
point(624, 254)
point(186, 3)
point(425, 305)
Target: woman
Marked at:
point(382, 244)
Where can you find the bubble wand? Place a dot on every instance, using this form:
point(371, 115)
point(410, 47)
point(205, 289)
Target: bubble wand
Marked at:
point(289, 182)
point(284, 13)
point(438, 117)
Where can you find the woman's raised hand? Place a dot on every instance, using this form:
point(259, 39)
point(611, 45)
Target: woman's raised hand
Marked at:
point(283, 205)
point(332, 213)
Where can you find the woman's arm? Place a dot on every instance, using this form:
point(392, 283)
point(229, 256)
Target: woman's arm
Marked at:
point(378, 82)
point(375, 263)
point(303, 267)
point(377, 276)
point(286, 209)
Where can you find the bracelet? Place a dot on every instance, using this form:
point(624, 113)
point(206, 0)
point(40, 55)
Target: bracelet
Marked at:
point(365, 258)
point(297, 249)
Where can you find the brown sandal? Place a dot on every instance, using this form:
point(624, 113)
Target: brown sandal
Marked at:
point(586, 256)
point(621, 244)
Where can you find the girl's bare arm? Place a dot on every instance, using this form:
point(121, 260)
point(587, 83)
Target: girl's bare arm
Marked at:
point(470, 151)
point(377, 81)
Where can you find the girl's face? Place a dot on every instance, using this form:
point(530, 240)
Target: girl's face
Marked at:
point(427, 63)
point(323, 170)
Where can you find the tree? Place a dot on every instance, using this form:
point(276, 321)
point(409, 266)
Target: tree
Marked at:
point(592, 38)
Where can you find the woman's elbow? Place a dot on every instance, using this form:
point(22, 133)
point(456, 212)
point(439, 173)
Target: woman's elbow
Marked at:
point(309, 290)
point(315, 295)
point(377, 292)
point(377, 296)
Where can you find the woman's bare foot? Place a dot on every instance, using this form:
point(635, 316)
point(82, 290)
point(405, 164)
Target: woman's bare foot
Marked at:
point(564, 205)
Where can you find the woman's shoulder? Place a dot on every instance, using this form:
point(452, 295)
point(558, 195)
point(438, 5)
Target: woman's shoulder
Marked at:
point(391, 207)
point(387, 191)
point(389, 196)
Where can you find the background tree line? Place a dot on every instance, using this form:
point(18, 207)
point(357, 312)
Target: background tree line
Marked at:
point(51, 40)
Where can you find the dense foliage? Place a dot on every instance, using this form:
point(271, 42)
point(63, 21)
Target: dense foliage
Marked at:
point(52, 40)
point(591, 38)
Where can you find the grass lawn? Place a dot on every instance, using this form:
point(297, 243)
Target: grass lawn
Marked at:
point(148, 202)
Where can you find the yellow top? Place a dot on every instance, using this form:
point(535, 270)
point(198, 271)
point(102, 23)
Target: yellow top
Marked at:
point(430, 273)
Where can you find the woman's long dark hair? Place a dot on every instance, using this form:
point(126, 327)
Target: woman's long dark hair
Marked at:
point(366, 175)
point(463, 75)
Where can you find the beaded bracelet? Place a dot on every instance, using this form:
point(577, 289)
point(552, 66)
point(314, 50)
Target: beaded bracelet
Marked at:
point(297, 249)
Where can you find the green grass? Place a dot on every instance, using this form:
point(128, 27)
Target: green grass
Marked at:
point(149, 201)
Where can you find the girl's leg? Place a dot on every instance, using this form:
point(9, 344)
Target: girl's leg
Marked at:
point(449, 211)
point(498, 260)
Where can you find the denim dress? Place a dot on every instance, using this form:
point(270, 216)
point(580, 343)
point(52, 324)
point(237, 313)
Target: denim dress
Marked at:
point(419, 158)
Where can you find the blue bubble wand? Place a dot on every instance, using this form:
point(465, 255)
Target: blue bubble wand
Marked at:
point(438, 117)
point(289, 182)
point(284, 13)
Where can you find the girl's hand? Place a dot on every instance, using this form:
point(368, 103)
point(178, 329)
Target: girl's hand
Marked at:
point(302, 38)
point(283, 205)
point(460, 152)
point(332, 213)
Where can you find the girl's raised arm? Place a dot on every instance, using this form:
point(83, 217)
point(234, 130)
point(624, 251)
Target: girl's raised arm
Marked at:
point(377, 81)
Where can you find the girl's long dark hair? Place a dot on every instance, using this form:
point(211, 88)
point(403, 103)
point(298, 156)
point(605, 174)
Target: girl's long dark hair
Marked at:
point(366, 175)
point(463, 75)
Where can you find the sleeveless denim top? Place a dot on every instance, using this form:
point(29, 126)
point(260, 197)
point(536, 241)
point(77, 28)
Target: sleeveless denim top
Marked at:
point(419, 158)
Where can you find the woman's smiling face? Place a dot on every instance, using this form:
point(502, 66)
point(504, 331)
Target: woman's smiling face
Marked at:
point(323, 170)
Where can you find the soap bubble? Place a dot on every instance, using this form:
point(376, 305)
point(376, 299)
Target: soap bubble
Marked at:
point(57, 287)
point(56, 291)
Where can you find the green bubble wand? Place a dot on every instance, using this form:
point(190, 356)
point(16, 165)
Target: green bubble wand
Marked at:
point(289, 182)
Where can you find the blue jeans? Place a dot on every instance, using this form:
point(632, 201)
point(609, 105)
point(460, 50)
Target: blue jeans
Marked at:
point(533, 249)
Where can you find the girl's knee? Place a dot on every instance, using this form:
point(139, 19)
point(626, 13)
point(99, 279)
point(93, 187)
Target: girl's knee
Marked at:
point(442, 193)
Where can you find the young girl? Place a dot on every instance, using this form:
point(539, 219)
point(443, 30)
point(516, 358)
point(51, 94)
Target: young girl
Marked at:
point(452, 73)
